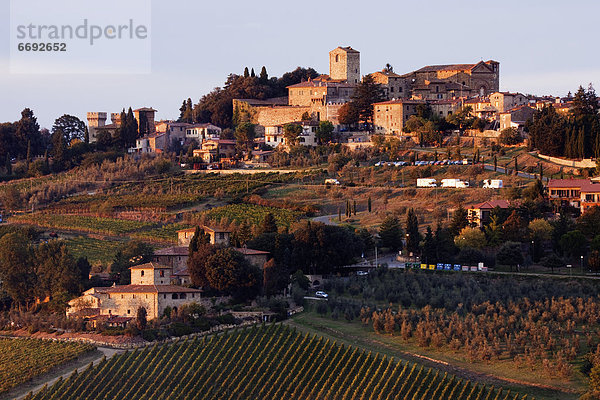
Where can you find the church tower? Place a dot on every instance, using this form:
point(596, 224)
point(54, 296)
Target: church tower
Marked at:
point(344, 64)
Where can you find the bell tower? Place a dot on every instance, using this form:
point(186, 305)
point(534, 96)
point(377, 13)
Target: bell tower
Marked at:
point(344, 64)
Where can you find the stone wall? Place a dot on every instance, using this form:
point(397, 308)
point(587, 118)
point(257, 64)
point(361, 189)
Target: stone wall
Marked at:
point(269, 116)
point(585, 163)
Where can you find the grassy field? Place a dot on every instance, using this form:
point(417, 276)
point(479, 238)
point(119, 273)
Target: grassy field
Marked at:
point(23, 359)
point(273, 362)
point(521, 381)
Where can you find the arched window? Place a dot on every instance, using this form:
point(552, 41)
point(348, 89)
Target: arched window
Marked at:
point(174, 296)
point(337, 58)
point(182, 296)
point(142, 273)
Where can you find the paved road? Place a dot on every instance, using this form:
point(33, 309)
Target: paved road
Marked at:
point(326, 219)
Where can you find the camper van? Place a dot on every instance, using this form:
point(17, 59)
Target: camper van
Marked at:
point(454, 183)
point(493, 184)
point(426, 182)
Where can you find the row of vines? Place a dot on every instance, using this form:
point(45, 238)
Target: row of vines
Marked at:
point(262, 363)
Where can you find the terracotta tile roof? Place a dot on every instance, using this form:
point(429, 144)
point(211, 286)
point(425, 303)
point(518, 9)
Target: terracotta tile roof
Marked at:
point(172, 251)
point(151, 289)
point(347, 49)
point(446, 67)
point(387, 74)
point(491, 204)
point(588, 187)
point(145, 109)
point(150, 265)
point(567, 183)
point(401, 101)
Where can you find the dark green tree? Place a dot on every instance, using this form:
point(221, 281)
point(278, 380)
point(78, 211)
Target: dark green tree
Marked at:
point(365, 95)
point(390, 233)
point(60, 154)
point(263, 77)
point(324, 132)
point(269, 224)
point(510, 254)
point(17, 268)
point(28, 131)
point(459, 221)
point(413, 237)
point(71, 127)
point(291, 132)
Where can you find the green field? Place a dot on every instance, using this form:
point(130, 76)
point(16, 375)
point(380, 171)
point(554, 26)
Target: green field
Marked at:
point(110, 226)
point(23, 359)
point(276, 362)
point(96, 250)
point(253, 214)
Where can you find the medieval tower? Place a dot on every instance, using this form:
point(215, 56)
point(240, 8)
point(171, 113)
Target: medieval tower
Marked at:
point(344, 64)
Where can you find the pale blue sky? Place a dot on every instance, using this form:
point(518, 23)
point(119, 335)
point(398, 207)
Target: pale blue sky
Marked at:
point(543, 46)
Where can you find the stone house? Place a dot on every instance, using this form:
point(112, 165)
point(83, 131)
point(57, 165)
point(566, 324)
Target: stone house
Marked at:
point(503, 101)
point(478, 79)
point(390, 116)
point(150, 288)
point(393, 85)
point(217, 236)
point(516, 117)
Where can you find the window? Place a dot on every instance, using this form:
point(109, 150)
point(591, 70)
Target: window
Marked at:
point(174, 296)
point(162, 273)
point(182, 296)
point(221, 235)
point(337, 58)
point(142, 273)
point(164, 296)
point(392, 89)
point(128, 311)
point(133, 296)
point(122, 296)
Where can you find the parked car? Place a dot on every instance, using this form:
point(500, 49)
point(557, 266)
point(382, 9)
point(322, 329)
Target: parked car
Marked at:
point(362, 273)
point(321, 294)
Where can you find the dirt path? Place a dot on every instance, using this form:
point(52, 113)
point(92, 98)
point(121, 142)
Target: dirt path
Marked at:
point(487, 379)
point(65, 370)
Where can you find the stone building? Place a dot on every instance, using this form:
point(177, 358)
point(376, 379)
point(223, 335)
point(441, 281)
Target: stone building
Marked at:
point(393, 85)
point(389, 117)
point(217, 235)
point(150, 288)
point(344, 64)
point(464, 80)
point(516, 117)
point(503, 101)
point(319, 98)
point(97, 122)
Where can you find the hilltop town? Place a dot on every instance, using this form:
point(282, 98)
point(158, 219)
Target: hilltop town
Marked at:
point(425, 215)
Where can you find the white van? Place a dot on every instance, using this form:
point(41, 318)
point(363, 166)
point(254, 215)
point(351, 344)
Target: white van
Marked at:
point(426, 182)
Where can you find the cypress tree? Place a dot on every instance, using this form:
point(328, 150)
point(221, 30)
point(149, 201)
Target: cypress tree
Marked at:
point(264, 77)
point(246, 73)
point(8, 165)
point(252, 74)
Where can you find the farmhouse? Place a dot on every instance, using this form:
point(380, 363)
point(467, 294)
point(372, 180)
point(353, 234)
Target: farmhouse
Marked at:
point(150, 288)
